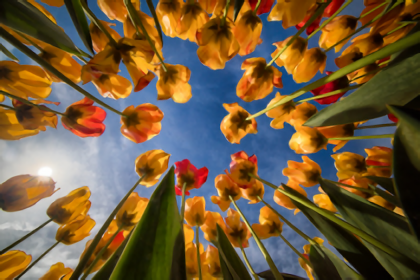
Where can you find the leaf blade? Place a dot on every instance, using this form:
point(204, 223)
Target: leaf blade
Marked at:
point(75, 9)
point(7, 53)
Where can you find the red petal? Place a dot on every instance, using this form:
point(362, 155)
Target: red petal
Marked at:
point(392, 118)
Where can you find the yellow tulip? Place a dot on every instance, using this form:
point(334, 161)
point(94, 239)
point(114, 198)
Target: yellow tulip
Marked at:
point(253, 192)
point(381, 202)
point(280, 114)
point(247, 31)
point(168, 13)
point(195, 211)
point(302, 113)
point(283, 200)
point(112, 86)
point(306, 173)
point(291, 57)
point(99, 39)
point(313, 60)
point(130, 31)
point(32, 117)
point(241, 166)
point(173, 83)
point(323, 201)
point(343, 130)
point(379, 156)
point(302, 263)
point(336, 30)
point(191, 261)
point(236, 231)
point(188, 234)
point(349, 165)
point(212, 219)
point(211, 263)
point(235, 126)
point(131, 211)
point(75, 230)
point(356, 182)
point(151, 165)
point(307, 140)
point(193, 17)
point(270, 224)
point(115, 9)
point(365, 43)
point(290, 12)
point(226, 188)
point(12, 263)
point(10, 128)
point(57, 272)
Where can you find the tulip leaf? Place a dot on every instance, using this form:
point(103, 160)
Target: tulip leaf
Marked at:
point(326, 268)
point(345, 243)
point(396, 84)
point(268, 275)
point(382, 224)
point(237, 8)
point(386, 183)
point(153, 12)
point(75, 9)
point(224, 268)
point(155, 242)
point(236, 267)
point(21, 16)
point(4, 50)
point(388, 197)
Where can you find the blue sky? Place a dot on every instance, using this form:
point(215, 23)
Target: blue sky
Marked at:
point(191, 130)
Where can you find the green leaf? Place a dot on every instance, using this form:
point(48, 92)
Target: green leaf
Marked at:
point(225, 270)
point(384, 225)
point(75, 9)
point(396, 84)
point(237, 8)
point(386, 183)
point(154, 247)
point(268, 275)
point(7, 53)
point(153, 12)
point(390, 198)
point(228, 254)
point(23, 17)
point(345, 243)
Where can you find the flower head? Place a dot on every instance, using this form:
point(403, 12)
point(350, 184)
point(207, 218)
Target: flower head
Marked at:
point(32, 117)
point(191, 260)
point(379, 156)
point(323, 201)
point(188, 234)
point(365, 43)
point(141, 123)
point(169, 12)
point(283, 200)
point(306, 173)
point(211, 263)
point(258, 80)
point(241, 167)
point(75, 230)
point(364, 74)
point(306, 250)
point(348, 58)
point(235, 126)
point(131, 211)
point(247, 31)
point(195, 211)
point(349, 164)
point(189, 175)
point(356, 182)
point(193, 17)
point(336, 30)
point(342, 130)
point(115, 9)
point(151, 165)
point(378, 200)
point(236, 231)
point(133, 32)
point(332, 8)
point(313, 60)
point(290, 12)
point(212, 219)
point(174, 83)
point(254, 192)
point(340, 83)
point(57, 271)
point(314, 25)
point(99, 39)
point(10, 128)
point(112, 86)
point(307, 140)
point(23, 191)
point(280, 114)
point(291, 57)
point(65, 209)
point(270, 224)
point(13, 263)
point(226, 188)
point(301, 114)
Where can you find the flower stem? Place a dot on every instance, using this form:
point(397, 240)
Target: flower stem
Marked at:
point(197, 245)
point(184, 186)
point(8, 107)
point(266, 255)
point(318, 12)
point(247, 261)
point(376, 126)
point(329, 19)
point(225, 12)
point(294, 250)
point(82, 263)
point(37, 260)
point(374, 9)
point(257, 7)
point(328, 94)
point(396, 29)
point(364, 75)
point(27, 51)
point(369, 191)
point(29, 41)
point(24, 237)
point(363, 137)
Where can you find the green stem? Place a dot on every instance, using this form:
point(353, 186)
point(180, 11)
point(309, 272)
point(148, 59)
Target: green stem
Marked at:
point(99, 255)
point(24, 237)
point(376, 126)
point(329, 19)
point(369, 191)
point(225, 12)
point(82, 263)
point(362, 137)
point(294, 250)
point(37, 260)
point(197, 245)
point(27, 51)
point(8, 107)
point(318, 12)
point(396, 29)
point(184, 186)
point(257, 7)
point(266, 255)
point(331, 93)
point(371, 11)
point(247, 261)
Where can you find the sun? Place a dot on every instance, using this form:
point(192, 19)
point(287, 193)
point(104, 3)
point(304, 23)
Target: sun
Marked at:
point(45, 171)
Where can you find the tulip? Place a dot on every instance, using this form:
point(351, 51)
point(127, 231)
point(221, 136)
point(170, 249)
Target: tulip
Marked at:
point(99, 39)
point(280, 114)
point(211, 264)
point(302, 263)
point(340, 83)
point(283, 200)
point(379, 156)
point(191, 262)
point(343, 130)
point(57, 271)
point(301, 114)
point(365, 43)
point(34, 118)
point(54, 3)
point(12, 263)
point(313, 60)
point(173, 83)
point(254, 192)
point(105, 62)
point(323, 201)
point(235, 126)
point(141, 123)
point(209, 5)
point(364, 74)
point(265, 6)
point(307, 140)
point(332, 8)
point(241, 166)
point(367, 14)
point(376, 199)
point(236, 231)
point(84, 119)
point(23, 191)
point(115, 9)
point(220, 7)
point(194, 211)
point(356, 182)
point(24, 80)
point(336, 30)
point(188, 234)
point(226, 189)
point(291, 57)
point(151, 165)
point(168, 13)
point(247, 31)
point(188, 175)
point(258, 80)
point(112, 86)
point(75, 230)
point(131, 211)
point(349, 58)
point(314, 25)
point(349, 164)
point(270, 224)
point(209, 228)
point(67, 208)
point(290, 12)
point(10, 128)
point(399, 211)
point(193, 18)
point(306, 174)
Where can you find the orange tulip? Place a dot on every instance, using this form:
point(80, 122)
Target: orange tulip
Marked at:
point(367, 14)
point(291, 57)
point(391, 16)
point(115, 9)
point(306, 173)
point(131, 211)
point(32, 117)
point(235, 126)
point(211, 268)
point(10, 128)
point(290, 12)
point(349, 58)
point(141, 123)
point(191, 260)
point(313, 60)
point(280, 114)
point(173, 83)
point(24, 80)
point(209, 5)
point(188, 234)
point(75, 230)
point(343, 130)
point(54, 3)
point(364, 74)
point(219, 9)
point(112, 86)
point(258, 80)
point(193, 17)
point(365, 43)
point(151, 165)
point(226, 188)
point(247, 31)
point(381, 202)
point(302, 113)
point(253, 192)
point(194, 211)
point(105, 62)
point(307, 140)
point(241, 166)
point(336, 30)
point(99, 39)
point(349, 165)
point(67, 208)
point(270, 224)
point(236, 231)
point(168, 13)
point(23, 191)
point(379, 156)
point(58, 271)
point(302, 263)
point(323, 201)
point(12, 263)
point(356, 182)
point(283, 200)
point(84, 119)
point(209, 228)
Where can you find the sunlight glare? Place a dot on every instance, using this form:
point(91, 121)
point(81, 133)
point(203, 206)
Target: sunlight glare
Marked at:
point(45, 171)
